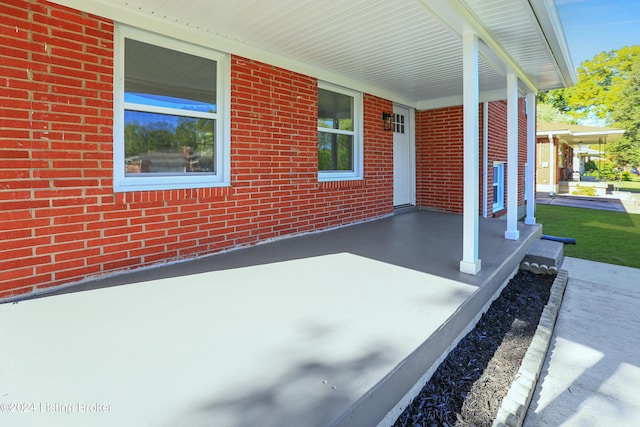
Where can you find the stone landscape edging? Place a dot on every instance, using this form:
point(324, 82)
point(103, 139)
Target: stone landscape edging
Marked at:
point(515, 404)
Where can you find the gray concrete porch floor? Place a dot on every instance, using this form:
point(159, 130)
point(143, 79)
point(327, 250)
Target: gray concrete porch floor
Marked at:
point(331, 328)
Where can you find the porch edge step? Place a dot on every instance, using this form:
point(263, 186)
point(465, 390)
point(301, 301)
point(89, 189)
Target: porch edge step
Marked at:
point(544, 257)
point(426, 359)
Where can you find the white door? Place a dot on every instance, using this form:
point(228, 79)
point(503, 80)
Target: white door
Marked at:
point(402, 158)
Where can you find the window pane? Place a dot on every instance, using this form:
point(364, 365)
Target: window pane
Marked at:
point(162, 143)
point(335, 152)
point(335, 110)
point(159, 76)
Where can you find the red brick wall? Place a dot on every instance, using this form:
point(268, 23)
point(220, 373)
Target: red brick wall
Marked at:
point(60, 220)
point(439, 155)
point(522, 148)
point(439, 159)
point(498, 148)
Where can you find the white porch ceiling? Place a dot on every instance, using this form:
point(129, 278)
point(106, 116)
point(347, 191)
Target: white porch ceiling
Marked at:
point(406, 50)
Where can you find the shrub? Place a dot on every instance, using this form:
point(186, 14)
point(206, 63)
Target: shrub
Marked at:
point(595, 173)
point(626, 176)
point(590, 166)
point(584, 191)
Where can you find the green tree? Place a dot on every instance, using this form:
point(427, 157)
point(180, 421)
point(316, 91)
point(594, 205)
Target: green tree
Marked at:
point(626, 151)
point(546, 112)
point(147, 138)
point(600, 83)
point(607, 89)
point(554, 99)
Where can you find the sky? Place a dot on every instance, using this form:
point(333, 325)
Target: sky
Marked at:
point(594, 26)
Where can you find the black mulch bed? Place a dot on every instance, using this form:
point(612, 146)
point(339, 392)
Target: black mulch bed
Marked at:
point(469, 385)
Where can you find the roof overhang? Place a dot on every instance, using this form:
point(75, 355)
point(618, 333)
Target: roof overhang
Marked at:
point(575, 135)
point(406, 51)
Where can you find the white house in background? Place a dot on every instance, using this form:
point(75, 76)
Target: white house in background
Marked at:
point(563, 149)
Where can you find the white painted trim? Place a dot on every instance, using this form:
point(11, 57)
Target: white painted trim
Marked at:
point(547, 188)
point(552, 162)
point(549, 20)
point(454, 101)
point(144, 182)
point(146, 108)
point(496, 207)
point(512, 232)
point(357, 133)
point(411, 129)
point(412, 114)
point(530, 191)
point(432, 104)
point(470, 263)
point(603, 132)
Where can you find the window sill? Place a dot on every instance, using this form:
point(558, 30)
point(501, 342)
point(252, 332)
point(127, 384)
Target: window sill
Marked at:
point(498, 212)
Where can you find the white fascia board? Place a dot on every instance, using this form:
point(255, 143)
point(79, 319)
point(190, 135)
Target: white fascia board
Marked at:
point(455, 16)
point(553, 132)
point(105, 9)
point(549, 20)
point(603, 133)
point(432, 104)
point(578, 134)
point(452, 101)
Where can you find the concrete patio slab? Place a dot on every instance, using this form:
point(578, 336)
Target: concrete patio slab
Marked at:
point(296, 341)
point(296, 332)
point(591, 376)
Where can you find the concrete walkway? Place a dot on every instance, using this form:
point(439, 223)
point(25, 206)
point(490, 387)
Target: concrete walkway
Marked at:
point(591, 376)
point(624, 202)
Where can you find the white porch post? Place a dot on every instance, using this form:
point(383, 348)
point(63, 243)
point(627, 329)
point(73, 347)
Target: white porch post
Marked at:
point(470, 263)
point(512, 232)
point(530, 182)
point(552, 163)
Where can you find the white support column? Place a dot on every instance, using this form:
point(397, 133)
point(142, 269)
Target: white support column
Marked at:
point(470, 263)
point(512, 232)
point(575, 162)
point(552, 164)
point(530, 182)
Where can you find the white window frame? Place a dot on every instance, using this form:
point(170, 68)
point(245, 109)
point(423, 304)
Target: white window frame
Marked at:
point(143, 182)
point(498, 185)
point(357, 133)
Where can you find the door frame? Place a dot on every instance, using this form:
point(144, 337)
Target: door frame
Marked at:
point(411, 128)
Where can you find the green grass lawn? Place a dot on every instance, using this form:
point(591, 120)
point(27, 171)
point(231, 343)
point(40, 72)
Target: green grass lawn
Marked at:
point(631, 186)
point(603, 236)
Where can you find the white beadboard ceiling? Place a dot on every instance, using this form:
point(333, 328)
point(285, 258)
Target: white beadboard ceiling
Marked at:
point(408, 50)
